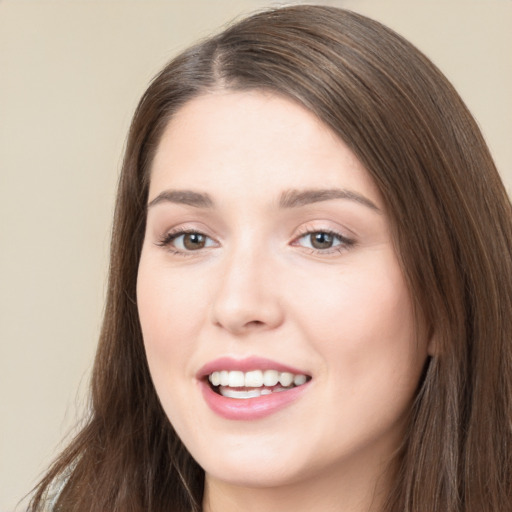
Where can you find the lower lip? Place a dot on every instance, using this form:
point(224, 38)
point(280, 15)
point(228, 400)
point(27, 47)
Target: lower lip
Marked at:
point(250, 408)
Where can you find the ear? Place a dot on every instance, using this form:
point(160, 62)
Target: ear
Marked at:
point(433, 348)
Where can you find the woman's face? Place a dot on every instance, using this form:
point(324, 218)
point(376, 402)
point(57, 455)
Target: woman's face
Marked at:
point(268, 267)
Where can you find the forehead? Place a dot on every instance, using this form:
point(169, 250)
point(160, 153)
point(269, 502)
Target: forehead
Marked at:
point(256, 140)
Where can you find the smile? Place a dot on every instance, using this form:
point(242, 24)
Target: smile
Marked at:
point(250, 388)
point(252, 384)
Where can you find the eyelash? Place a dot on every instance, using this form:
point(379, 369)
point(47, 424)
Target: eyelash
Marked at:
point(344, 242)
point(172, 236)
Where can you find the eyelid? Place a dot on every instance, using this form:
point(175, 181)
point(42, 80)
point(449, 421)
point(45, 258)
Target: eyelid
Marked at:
point(172, 234)
point(310, 229)
point(165, 230)
point(169, 236)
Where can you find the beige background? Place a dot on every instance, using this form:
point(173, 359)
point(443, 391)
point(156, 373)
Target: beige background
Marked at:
point(71, 73)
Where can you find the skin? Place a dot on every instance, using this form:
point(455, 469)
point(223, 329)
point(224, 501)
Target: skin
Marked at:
point(258, 287)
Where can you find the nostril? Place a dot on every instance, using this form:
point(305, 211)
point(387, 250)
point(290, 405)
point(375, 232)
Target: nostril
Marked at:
point(255, 323)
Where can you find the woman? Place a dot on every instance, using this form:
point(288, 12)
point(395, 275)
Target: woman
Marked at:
point(310, 287)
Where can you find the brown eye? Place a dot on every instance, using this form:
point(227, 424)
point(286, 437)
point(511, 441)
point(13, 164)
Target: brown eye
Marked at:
point(324, 241)
point(193, 241)
point(187, 241)
point(321, 240)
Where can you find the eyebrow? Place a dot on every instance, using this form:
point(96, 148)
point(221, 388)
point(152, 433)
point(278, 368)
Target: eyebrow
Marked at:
point(288, 199)
point(297, 198)
point(188, 197)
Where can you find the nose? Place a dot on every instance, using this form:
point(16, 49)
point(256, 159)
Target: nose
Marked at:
point(247, 297)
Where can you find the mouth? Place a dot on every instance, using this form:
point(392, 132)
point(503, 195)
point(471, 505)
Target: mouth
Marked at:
point(255, 383)
point(251, 388)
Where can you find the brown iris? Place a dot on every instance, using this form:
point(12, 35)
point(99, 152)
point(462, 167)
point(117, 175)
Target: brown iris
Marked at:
point(321, 240)
point(194, 241)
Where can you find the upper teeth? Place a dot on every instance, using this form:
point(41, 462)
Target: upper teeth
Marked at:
point(255, 378)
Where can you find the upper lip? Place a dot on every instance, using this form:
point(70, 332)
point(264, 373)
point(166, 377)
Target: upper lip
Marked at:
point(245, 365)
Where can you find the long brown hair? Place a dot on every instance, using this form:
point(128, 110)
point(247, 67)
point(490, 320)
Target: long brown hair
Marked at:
point(452, 226)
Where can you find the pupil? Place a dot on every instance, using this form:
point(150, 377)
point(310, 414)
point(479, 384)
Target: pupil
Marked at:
point(193, 241)
point(321, 240)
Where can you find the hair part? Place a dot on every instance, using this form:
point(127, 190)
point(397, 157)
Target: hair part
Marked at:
point(452, 225)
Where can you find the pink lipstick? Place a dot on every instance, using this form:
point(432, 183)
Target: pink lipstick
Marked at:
point(250, 388)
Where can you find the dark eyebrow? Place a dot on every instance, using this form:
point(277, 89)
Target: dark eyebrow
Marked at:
point(297, 198)
point(288, 199)
point(187, 197)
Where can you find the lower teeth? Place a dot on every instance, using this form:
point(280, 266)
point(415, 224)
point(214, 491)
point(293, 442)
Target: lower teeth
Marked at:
point(250, 393)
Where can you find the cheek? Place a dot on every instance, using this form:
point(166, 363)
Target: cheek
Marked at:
point(361, 323)
point(364, 330)
point(168, 312)
point(353, 308)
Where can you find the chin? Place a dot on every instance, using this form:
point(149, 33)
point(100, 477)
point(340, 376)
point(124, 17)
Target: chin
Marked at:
point(253, 466)
point(260, 475)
